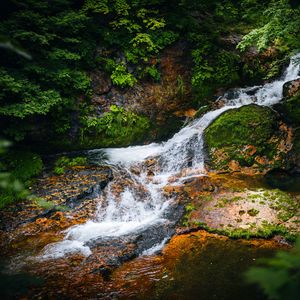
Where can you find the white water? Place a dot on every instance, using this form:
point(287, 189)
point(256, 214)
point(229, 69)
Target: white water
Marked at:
point(141, 202)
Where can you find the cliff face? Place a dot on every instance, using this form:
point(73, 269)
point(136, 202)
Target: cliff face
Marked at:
point(164, 102)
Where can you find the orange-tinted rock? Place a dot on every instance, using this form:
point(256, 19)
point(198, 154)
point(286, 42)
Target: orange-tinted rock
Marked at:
point(291, 88)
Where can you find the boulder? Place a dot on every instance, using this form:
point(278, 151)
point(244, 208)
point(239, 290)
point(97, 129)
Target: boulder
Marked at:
point(250, 136)
point(289, 109)
point(101, 83)
point(291, 88)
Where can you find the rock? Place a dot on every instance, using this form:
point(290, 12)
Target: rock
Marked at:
point(101, 82)
point(289, 109)
point(73, 191)
point(244, 212)
point(111, 253)
point(231, 40)
point(219, 103)
point(234, 166)
point(291, 88)
point(250, 136)
point(160, 99)
point(295, 152)
point(190, 113)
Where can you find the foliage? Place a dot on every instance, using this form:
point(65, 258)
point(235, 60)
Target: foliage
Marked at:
point(54, 36)
point(52, 48)
point(24, 164)
point(279, 277)
point(138, 33)
point(64, 162)
point(121, 77)
point(117, 126)
point(281, 27)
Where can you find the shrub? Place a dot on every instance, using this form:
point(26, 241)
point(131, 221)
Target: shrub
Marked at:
point(65, 162)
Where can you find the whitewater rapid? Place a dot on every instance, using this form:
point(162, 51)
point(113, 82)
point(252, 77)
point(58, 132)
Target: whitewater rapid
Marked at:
point(142, 203)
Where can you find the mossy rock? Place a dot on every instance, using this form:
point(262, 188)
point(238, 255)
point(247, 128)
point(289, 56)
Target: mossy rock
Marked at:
point(289, 108)
point(291, 88)
point(249, 136)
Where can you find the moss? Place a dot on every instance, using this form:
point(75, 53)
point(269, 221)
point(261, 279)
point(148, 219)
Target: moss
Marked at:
point(205, 198)
point(227, 137)
point(250, 124)
point(267, 230)
point(253, 212)
point(48, 205)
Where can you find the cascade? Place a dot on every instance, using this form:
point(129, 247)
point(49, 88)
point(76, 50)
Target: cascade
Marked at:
point(141, 202)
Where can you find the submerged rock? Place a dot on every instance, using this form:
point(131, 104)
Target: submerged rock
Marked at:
point(248, 137)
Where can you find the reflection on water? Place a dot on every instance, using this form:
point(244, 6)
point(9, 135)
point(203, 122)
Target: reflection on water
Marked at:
point(283, 180)
point(196, 266)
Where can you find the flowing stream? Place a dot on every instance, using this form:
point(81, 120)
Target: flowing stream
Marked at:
point(135, 200)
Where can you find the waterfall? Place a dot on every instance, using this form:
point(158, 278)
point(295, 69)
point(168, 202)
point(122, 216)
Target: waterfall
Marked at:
point(139, 201)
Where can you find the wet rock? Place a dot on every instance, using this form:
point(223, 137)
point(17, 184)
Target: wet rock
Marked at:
point(150, 162)
point(289, 109)
point(190, 113)
point(239, 206)
point(71, 193)
point(284, 180)
point(219, 103)
point(243, 212)
point(110, 253)
point(281, 240)
point(291, 88)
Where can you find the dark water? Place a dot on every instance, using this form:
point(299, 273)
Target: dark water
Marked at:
point(214, 272)
point(283, 180)
point(13, 286)
point(201, 267)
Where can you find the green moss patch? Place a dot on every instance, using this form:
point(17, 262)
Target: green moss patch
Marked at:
point(243, 135)
point(117, 127)
point(250, 124)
